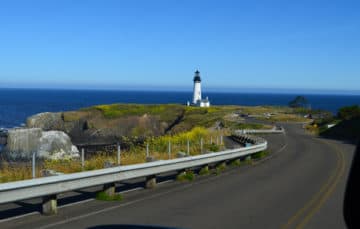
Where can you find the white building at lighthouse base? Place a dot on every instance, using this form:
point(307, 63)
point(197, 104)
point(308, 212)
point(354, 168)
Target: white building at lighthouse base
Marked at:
point(202, 103)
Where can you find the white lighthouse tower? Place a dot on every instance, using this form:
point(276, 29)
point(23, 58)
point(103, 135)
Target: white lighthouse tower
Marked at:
point(197, 87)
point(197, 101)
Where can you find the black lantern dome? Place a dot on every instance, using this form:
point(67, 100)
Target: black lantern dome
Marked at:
point(197, 76)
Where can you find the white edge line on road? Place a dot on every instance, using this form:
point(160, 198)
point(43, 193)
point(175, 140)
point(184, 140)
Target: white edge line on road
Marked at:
point(18, 217)
point(73, 204)
point(109, 209)
point(68, 220)
point(122, 192)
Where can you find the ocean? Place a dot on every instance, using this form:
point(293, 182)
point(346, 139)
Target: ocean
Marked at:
point(18, 104)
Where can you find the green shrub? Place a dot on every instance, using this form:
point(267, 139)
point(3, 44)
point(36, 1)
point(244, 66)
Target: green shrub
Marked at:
point(236, 163)
point(221, 167)
point(186, 176)
point(105, 197)
point(213, 147)
point(259, 155)
point(248, 160)
point(204, 171)
point(347, 113)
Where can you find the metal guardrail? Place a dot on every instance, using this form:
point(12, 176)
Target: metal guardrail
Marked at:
point(271, 131)
point(47, 186)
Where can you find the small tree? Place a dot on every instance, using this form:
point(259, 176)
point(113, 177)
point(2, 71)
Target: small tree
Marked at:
point(299, 101)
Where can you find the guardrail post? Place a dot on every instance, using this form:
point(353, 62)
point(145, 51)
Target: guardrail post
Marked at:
point(201, 145)
point(147, 149)
point(221, 140)
point(82, 158)
point(109, 189)
point(188, 147)
point(118, 154)
point(49, 205)
point(211, 140)
point(33, 165)
point(169, 150)
point(150, 182)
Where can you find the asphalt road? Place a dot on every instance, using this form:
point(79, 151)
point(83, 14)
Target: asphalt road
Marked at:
point(300, 186)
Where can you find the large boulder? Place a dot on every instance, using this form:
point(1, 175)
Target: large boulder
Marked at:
point(56, 145)
point(22, 143)
point(45, 121)
point(3, 136)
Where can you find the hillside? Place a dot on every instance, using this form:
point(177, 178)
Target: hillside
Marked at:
point(348, 130)
point(104, 124)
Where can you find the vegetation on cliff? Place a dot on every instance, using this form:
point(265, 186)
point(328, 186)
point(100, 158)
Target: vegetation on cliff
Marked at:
point(345, 125)
point(201, 140)
point(135, 126)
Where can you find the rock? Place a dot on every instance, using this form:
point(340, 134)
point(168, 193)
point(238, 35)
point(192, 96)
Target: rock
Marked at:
point(56, 145)
point(45, 121)
point(22, 143)
point(3, 136)
point(108, 164)
point(150, 159)
point(49, 173)
point(181, 154)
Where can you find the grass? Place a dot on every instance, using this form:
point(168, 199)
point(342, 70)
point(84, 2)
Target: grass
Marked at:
point(144, 120)
point(140, 119)
point(105, 197)
point(193, 124)
point(260, 155)
point(166, 111)
point(248, 160)
point(348, 130)
point(73, 116)
point(13, 172)
point(220, 168)
point(235, 163)
point(137, 154)
point(179, 141)
point(186, 176)
point(204, 171)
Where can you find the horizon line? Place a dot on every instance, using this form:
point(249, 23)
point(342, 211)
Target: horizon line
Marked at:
point(209, 89)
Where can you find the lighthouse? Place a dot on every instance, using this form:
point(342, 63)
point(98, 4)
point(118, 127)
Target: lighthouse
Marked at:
point(197, 87)
point(197, 100)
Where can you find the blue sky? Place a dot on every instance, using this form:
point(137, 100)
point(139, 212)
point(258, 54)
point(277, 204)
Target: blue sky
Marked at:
point(291, 45)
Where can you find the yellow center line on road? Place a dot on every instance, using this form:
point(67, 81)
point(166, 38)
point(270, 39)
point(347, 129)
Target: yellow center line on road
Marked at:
point(319, 198)
point(329, 192)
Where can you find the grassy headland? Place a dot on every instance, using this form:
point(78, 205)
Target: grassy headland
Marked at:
point(137, 125)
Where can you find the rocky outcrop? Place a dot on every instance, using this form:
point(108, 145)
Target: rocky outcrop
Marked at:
point(92, 128)
point(22, 143)
point(56, 145)
point(3, 137)
point(45, 121)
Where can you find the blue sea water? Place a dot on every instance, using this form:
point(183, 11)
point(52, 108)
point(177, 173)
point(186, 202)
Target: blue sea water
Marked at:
point(18, 104)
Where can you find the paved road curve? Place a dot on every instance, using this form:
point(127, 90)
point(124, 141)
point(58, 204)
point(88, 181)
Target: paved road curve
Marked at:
point(301, 186)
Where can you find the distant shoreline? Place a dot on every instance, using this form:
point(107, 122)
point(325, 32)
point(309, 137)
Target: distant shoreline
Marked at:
point(18, 104)
point(209, 90)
